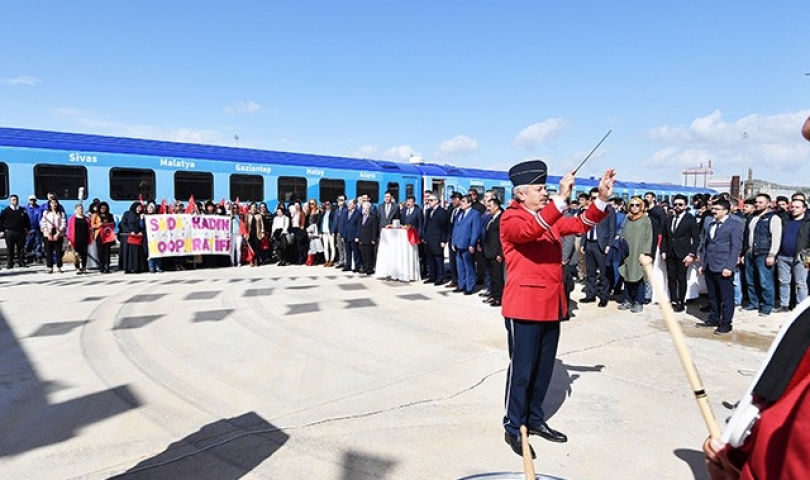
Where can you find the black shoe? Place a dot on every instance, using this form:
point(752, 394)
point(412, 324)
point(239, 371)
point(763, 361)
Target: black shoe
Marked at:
point(517, 447)
point(724, 328)
point(588, 300)
point(439, 283)
point(347, 269)
point(707, 324)
point(495, 303)
point(457, 290)
point(488, 300)
point(427, 280)
point(705, 308)
point(678, 307)
point(483, 294)
point(603, 303)
point(468, 292)
point(452, 285)
point(543, 430)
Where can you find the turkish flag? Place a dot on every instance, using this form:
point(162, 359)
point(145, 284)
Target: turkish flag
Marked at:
point(163, 207)
point(192, 205)
point(107, 233)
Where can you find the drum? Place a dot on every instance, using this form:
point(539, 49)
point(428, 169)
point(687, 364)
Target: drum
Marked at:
point(507, 476)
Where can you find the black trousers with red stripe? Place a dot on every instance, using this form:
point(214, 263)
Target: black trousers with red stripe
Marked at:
point(532, 351)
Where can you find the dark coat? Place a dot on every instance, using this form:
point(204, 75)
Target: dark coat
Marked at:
point(434, 232)
point(352, 230)
point(369, 231)
point(491, 243)
point(384, 220)
point(683, 241)
point(722, 251)
point(415, 219)
point(605, 231)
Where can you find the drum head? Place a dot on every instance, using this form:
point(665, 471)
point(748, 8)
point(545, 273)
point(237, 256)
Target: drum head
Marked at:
point(507, 476)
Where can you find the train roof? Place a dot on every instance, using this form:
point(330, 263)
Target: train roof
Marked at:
point(18, 137)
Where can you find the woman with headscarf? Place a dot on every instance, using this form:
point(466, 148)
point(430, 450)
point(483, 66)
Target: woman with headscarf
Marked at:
point(102, 219)
point(637, 231)
point(79, 235)
point(155, 264)
point(53, 226)
point(131, 258)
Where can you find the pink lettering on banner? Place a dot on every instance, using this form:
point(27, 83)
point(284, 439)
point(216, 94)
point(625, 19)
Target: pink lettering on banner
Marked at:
point(171, 223)
point(153, 224)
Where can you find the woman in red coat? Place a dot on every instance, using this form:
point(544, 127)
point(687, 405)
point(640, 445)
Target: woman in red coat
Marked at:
point(79, 234)
point(534, 298)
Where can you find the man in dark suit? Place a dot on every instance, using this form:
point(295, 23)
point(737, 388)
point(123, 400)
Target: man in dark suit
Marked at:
point(434, 237)
point(466, 234)
point(367, 238)
point(678, 249)
point(596, 244)
point(493, 251)
point(453, 210)
point(411, 214)
point(722, 243)
point(657, 215)
point(388, 211)
point(341, 216)
point(352, 238)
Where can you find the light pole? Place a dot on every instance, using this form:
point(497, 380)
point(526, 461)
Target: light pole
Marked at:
point(748, 184)
point(236, 140)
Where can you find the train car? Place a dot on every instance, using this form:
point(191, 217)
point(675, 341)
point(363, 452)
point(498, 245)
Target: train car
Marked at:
point(122, 170)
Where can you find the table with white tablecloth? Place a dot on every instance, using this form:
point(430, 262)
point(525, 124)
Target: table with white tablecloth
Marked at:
point(397, 257)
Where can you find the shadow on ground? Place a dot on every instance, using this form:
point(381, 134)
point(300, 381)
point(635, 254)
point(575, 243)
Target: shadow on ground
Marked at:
point(227, 449)
point(27, 419)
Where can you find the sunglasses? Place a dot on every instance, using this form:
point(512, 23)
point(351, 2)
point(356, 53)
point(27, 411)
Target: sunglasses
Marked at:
point(635, 205)
point(676, 204)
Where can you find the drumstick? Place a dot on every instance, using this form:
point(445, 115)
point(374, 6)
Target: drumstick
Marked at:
point(680, 345)
point(528, 464)
point(589, 155)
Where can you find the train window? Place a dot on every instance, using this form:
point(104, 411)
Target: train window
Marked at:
point(199, 184)
point(291, 189)
point(500, 192)
point(330, 189)
point(247, 187)
point(372, 189)
point(64, 181)
point(408, 189)
point(3, 180)
point(626, 196)
point(128, 183)
point(393, 188)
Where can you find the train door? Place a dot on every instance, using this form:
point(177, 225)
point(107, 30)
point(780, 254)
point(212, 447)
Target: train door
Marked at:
point(411, 186)
point(437, 186)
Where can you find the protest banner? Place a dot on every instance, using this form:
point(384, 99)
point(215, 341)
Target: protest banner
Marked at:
point(179, 235)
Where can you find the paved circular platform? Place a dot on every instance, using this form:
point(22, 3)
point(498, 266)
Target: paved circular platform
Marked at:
point(309, 372)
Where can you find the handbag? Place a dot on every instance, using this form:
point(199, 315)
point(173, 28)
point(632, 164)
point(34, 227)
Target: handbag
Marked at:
point(134, 240)
point(70, 256)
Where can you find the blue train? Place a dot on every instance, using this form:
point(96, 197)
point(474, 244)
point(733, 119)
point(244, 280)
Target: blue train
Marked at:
point(122, 170)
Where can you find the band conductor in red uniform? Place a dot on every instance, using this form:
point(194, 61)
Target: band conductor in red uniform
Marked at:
point(534, 299)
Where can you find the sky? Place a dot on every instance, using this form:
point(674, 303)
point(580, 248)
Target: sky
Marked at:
point(468, 83)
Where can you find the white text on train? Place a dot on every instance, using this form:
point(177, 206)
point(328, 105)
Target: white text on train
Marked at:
point(314, 172)
point(368, 175)
point(79, 158)
point(173, 162)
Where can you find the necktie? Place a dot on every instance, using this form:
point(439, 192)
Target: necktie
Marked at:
point(410, 210)
point(715, 226)
point(460, 218)
point(365, 217)
point(387, 210)
point(675, 222)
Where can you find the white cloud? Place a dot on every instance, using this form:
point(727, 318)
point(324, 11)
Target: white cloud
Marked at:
point(459, 144)
point(770, 144)
point(366, 151)
point(21, 80)
point(530, 136)
point(401, 153)
point(247, 106)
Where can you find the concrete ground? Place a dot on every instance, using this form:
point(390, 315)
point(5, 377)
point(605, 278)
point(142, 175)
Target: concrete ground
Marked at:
point(308, 372)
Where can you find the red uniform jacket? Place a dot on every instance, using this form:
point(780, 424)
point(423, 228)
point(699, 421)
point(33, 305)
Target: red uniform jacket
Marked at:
point(532, 248)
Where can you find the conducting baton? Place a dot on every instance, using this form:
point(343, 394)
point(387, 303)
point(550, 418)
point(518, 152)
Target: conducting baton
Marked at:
point(680, 345)
point(594, 149)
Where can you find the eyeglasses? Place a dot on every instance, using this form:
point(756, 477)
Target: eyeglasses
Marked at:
point(678, 204)
point(433, 199)
point(635, 205)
